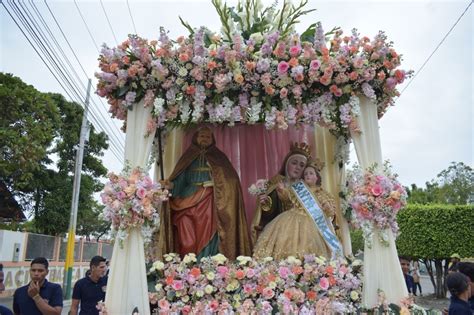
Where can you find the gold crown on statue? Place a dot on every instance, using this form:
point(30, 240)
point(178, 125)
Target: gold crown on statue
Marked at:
point(301, 148)
point(317, 164)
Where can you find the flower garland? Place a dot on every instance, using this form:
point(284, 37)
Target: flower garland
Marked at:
point(375, 199)
point(247, 286)
point(256, 71)
point(131, 200)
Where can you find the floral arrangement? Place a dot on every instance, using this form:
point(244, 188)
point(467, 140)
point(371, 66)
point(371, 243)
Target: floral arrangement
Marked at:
point(375, 199)
point(260, 187)
point(406, 306)
point(131, 200)
point(247, 286)
point(257, 70)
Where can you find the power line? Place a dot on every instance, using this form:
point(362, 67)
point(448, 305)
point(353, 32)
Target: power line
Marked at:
point(131, 16)
point(106, 119)
point(88, 30)
point(434, 51)
point(60, 76)
point(49, 49)
point(108, 21)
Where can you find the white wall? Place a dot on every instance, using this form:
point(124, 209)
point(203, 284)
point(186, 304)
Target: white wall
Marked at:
point(7, 242)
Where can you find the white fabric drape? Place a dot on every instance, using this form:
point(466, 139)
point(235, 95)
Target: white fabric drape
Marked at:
point(332, 178)
point(381, 265)
point(127, 284)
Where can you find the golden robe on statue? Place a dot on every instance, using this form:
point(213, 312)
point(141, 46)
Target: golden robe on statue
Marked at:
point(205, 214)
point(293, 232)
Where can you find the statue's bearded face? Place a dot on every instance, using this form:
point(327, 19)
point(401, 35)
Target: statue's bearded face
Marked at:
point(204, 138)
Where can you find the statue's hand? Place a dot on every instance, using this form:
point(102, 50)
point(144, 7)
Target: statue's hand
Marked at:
point(166, 184)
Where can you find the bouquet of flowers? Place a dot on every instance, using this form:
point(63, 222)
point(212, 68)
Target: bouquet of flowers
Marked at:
point(312, 285)
point(257, 70)
point(375, 198)
point(131, 200)
point(259, 188)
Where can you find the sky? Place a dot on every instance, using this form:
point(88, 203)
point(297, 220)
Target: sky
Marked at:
point(430, 126)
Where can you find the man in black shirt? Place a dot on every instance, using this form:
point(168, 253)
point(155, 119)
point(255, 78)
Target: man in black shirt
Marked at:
point(89, 290)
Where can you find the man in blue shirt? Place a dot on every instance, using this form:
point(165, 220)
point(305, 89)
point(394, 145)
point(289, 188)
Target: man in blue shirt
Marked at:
point(410, 283)
point(89, 290)
point(39, 297)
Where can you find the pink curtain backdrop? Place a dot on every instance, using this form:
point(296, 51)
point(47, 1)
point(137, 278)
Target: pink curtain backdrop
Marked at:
point(255, 152)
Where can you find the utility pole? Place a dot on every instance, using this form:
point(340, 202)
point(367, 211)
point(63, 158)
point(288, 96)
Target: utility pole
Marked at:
point(75, 199)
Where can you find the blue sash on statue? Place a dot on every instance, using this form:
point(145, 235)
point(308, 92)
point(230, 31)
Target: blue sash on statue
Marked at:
point(309, 202)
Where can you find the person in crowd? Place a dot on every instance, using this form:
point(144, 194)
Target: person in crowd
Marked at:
point(39, 297)
point(405, 265)
point(415, 272)
point(458, 286)
point(90, 290)
point(467, 268)
point(453, 265)
point(3, 309)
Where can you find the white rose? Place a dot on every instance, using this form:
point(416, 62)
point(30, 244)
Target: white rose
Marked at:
point(199, 293)
point(209, 289)
point(210, 276)
point(219, 258)
point(268, 259)
point(158, 265)
point(158, 287)
point(257, 38)
point(357, 263)
point(244, 260)
point(189, 258)
point(354, 295)
point(185, 298)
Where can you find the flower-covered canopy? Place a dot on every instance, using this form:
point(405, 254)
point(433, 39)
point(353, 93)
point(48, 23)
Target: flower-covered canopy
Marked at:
point(257, 70)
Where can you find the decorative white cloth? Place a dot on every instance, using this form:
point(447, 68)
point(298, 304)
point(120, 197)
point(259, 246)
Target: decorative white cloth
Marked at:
point(127, 284)
point(381, 265)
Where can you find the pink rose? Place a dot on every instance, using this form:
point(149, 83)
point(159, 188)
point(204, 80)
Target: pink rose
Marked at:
point(268, 293)
point(214, 305)
point(324, 283)
point(177, 285)
point(186, 309)
point(283, 93)
point(141, 192)
point(295, 50)
point(163, 304)
point(376, 190)
point(315, 64)
point(283, 67)
point(250, 273)
point(223, 270)
point(284, 272)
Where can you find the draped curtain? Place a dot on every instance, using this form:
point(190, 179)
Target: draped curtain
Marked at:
point(381, 264)
point(127, 287)
point(333, 176)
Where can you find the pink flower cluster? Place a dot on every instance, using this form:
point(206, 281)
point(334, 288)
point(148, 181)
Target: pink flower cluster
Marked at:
point(247, 286)
point(131, 200)
point(260, 187)
point(375, 199)
point(310, 81)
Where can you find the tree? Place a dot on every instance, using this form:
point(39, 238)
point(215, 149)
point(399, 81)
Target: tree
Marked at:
point(454, 185)
point(36, 128)
point(433, 233)
point(57, 194)
point(28, 123)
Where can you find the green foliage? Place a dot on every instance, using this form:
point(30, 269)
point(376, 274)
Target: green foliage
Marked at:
point(27, 128)
point(436, 231)
point(454, 185)
point(357, 241)
point(32, 126)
